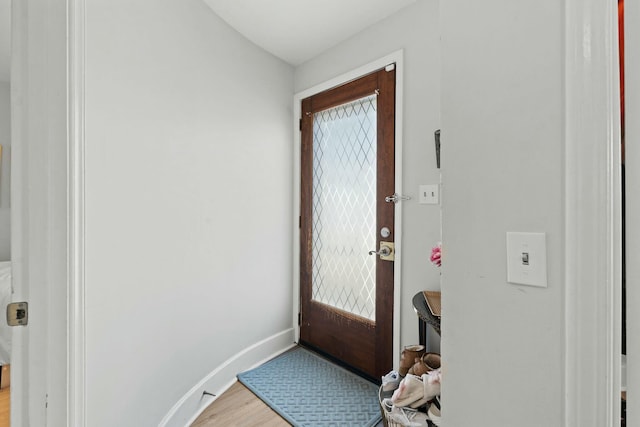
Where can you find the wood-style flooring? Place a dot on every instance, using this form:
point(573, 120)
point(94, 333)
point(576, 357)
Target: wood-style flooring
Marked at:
point(239, 407)
point(5, 399)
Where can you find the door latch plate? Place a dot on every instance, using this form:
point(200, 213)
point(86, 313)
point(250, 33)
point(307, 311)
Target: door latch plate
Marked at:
point(18, 314)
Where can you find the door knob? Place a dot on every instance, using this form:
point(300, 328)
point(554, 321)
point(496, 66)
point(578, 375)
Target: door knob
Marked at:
point(384, 251)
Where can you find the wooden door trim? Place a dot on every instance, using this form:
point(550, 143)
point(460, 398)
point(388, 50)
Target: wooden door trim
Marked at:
point(349, 91)
point(384, 295)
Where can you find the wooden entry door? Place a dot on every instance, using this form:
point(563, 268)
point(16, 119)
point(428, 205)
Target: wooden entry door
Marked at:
point(348, 169)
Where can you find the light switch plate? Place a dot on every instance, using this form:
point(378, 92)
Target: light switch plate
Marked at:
point(527, 259)
point(429, 194)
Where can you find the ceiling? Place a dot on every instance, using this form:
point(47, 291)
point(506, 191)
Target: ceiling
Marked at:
point(298, 30)
point(293, 30)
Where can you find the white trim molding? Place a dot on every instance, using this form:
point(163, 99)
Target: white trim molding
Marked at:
point(195, 401)
point(76, 397)
point(592, 216)
point(19, 242)
point(40, 210)
point(396, 58)
point(632, 205)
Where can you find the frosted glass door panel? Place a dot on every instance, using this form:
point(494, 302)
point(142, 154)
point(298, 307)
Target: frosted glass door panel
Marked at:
point(344, 207)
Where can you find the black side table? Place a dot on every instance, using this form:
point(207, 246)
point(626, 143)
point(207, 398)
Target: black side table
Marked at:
point(425, 317)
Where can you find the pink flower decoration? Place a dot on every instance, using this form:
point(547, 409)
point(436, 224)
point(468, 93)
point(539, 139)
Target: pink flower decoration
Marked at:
point(435, 255)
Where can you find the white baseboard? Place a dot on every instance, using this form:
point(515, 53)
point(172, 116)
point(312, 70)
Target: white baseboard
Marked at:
point(194, 402)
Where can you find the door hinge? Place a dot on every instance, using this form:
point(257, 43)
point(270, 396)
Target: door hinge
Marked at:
point(18, 314)
point(300, 124)
point(300, 221)
point(299, 319)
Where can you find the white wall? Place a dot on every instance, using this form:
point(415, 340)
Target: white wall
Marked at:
point(414, 29)
point(502, 170)
point(188, 195)
point(5, 171)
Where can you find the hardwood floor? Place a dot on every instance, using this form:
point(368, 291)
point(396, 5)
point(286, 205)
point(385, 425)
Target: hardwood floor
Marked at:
point(239, 407)
point(5, 398)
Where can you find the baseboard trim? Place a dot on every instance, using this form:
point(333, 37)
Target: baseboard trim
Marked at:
point(194, 402)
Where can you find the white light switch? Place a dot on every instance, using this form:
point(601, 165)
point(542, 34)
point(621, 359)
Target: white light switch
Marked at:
point(527, 259)
point(429, 194)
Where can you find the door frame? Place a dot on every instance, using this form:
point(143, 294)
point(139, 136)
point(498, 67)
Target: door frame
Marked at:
point(76, 389)
point(397, 58)
point(632, 172)
point(47, 212)
point(592, 218)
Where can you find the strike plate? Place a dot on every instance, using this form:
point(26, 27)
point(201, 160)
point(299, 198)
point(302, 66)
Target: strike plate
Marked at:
point(18, 314)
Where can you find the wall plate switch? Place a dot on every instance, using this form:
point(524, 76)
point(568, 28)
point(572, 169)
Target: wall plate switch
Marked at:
point(527, 259)
point(429, 194)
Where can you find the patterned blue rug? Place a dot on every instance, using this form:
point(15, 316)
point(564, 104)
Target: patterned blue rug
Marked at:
point(309, 391)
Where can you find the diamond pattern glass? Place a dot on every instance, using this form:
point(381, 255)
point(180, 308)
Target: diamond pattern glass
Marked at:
point(344, 207)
